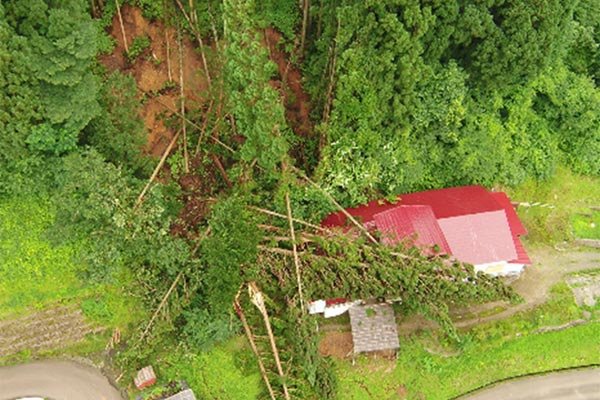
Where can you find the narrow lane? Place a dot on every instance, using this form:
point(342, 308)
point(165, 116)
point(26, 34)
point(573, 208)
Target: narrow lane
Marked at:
point(569, 385)
point(60, 380)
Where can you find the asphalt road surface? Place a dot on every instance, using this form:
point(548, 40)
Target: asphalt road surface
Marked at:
point(569, 385)
point(59, 380)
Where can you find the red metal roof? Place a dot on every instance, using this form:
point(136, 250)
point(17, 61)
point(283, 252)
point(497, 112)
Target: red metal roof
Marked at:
point(445, 203)
point(522, 257)
point(415, 222)
point(513, 219)
point(473, 224)
point(479, 238)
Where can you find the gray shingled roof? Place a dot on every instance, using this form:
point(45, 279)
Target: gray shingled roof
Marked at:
point(373, 328)
point(185, 395)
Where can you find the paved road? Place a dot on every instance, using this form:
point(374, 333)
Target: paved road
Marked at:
point(60, 380)
point(569, 385)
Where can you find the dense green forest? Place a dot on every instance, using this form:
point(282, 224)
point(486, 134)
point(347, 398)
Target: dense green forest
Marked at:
point(405, 95)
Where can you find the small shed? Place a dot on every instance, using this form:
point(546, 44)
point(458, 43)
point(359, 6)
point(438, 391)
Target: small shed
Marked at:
point(373, 328)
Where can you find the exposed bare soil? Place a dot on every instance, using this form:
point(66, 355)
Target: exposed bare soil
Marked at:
point(295, 98)
point(156, 72)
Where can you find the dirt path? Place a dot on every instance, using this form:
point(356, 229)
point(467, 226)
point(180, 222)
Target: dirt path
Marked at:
point(533, 285)
point(56, 380)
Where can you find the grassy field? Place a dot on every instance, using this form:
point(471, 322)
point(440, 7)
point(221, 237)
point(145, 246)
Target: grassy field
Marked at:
point(227, 372)
point(562, 199)
point(587, 226)
point(428, 368)
point(33, 273)
point(36, 275)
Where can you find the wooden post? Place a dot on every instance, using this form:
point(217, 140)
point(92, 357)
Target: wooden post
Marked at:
point(182, 100)
point(295, 250)
point(174, 111)
point(161, 305)
point(257, 299)
point(276, 214)
point(305, 15)
point(249, 335)
point(204, 125)
point(169, 73)
point(122, 26)
point(194, 29)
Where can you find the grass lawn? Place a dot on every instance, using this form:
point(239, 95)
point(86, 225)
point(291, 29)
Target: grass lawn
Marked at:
point(488, 353)
point(36, 275)
point(568, 194)
point(33, 273)
point(587, 226)
point(227, 372)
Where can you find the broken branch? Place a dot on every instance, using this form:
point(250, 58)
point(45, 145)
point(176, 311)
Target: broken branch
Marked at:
point(156, 170)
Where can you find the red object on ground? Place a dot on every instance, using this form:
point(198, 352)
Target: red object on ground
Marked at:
point(415, 222)
point(336, 301)
point(145, 377)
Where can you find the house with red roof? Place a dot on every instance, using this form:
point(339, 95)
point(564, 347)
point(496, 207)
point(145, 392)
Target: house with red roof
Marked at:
point(468, 223)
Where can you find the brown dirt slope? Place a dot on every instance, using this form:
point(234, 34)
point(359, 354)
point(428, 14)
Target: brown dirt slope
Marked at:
point(156, 72)
point(297, 101)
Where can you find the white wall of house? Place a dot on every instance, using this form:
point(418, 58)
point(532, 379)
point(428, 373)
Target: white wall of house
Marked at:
point(501, 268)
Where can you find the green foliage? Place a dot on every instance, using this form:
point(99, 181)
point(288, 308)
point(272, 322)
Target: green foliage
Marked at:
point(118, 133)
point(95, 309)
point(281, 15)
point(570, 104)
point(501, 43)
point(584, 52)
point(352, 269)
point(138, 46)
point(449, 93)
point(229, 256)
point(33, 273)
point(151, 9)
point(62, 40)
point(256, 106)
point(45, 139)
point(19, 106)
point(216, 372)
point(48, 93)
